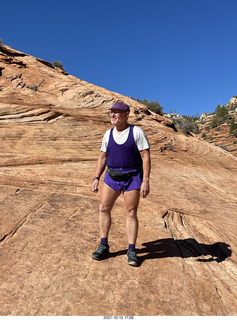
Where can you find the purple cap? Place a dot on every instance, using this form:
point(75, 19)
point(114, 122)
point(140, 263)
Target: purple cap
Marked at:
point(120, 106)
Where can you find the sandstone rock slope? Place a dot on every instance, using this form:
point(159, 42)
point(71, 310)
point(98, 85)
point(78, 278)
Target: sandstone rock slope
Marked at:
point(51, 126)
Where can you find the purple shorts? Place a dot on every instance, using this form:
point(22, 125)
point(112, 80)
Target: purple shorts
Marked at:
point(131, 183)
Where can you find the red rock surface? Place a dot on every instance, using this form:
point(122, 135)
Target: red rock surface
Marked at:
point(219, 136)
point(51, 126)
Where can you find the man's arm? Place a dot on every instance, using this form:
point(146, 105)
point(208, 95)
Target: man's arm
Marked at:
point(101, 163)
point(145, 187)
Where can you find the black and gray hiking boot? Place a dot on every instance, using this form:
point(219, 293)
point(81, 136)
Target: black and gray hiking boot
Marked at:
point(101, 252)
point(132, 259)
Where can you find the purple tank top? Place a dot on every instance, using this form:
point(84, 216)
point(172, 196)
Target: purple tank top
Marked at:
point(125, 156)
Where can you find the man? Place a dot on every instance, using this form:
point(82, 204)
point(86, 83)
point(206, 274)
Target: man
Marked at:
point(126, 152)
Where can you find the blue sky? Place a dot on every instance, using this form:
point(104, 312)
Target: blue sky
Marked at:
point(181, 53)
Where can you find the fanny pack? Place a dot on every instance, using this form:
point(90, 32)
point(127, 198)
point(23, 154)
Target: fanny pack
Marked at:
point(120, 176)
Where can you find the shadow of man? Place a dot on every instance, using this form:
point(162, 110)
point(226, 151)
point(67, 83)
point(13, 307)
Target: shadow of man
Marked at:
point(185, 248)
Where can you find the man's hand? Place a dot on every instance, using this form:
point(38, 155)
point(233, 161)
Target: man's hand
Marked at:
point(145, 189)
point(95, 185)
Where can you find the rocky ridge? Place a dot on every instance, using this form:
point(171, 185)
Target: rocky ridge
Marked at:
point(51, 126)
point(220, 135)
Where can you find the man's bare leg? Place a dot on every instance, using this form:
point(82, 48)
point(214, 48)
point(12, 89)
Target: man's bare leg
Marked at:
point(131, 199)
point(107, 200)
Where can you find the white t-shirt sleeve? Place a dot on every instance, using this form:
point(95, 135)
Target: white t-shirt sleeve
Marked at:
point(140, 138)
point(105, 141)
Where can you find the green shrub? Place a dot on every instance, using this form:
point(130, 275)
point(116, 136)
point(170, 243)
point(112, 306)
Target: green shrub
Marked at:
point(186, 125)
point(189, 124)
point(235, 133)
point(221, 115)
point(215, 122)
point(233, 127)
point(152, 106)
point(58, 64)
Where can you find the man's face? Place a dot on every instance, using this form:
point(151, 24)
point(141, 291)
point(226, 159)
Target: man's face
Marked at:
point(118, 116)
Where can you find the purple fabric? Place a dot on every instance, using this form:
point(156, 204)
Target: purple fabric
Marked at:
point(132, 183)
point(125, 156)
point(104, 241)
point(131, 247)
point(120, 106)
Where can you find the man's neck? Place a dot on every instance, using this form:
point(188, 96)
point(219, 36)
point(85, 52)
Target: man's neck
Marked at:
point(121, 128)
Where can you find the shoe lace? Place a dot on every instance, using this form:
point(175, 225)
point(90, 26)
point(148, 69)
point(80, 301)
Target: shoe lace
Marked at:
point(132, 254)
point(101, 248)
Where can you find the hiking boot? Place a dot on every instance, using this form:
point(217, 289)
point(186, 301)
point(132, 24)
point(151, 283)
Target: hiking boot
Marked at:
point(132, 259)
point(101, 252)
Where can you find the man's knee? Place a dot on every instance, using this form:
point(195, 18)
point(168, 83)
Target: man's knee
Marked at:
point(132, 214)
point(104, 209)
